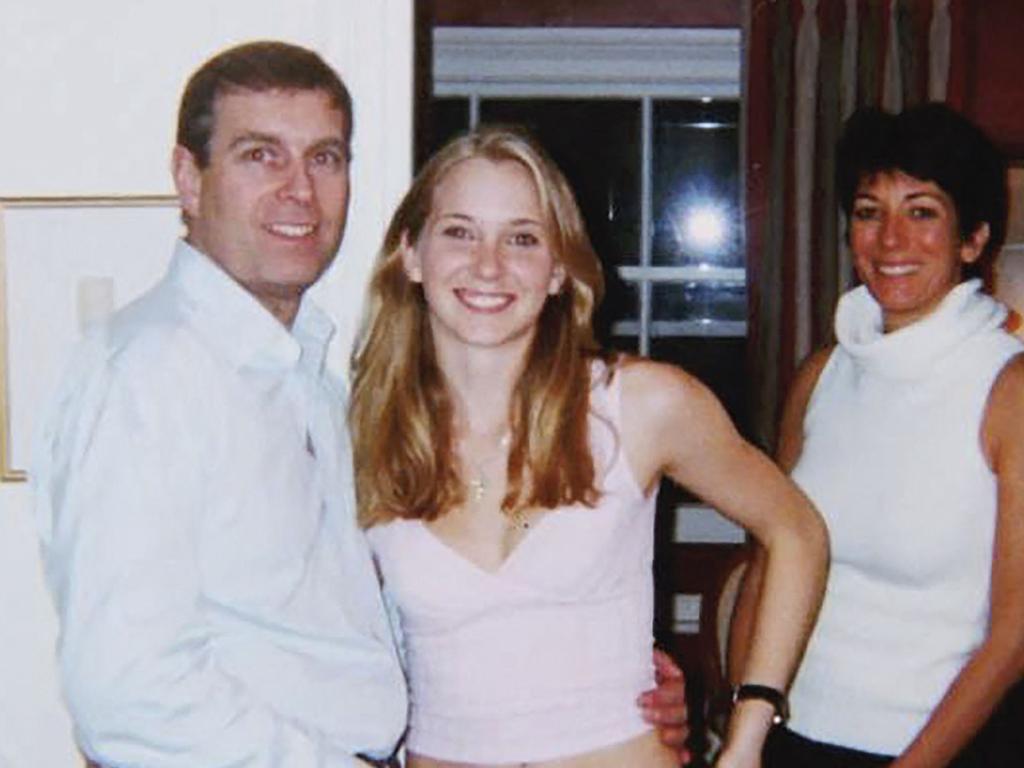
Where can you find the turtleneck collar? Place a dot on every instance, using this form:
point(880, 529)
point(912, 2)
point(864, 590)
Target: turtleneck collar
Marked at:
point(910, 352)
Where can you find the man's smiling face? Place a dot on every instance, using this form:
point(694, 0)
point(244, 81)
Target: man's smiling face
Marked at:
point(270, 205)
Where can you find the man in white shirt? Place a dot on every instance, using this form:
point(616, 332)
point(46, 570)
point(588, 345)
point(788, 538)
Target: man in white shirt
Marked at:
point(218, 604)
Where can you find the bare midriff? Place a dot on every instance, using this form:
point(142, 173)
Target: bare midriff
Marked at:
point(644, 751)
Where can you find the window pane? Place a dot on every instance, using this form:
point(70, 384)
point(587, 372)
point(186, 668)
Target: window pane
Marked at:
point(696, 184)
point(596, 143)
point(629, 345)
point(617, 321)
point(446, 118)
point(700, 301)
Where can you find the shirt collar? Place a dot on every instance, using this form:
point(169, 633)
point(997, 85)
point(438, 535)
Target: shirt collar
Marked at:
point(232, 319)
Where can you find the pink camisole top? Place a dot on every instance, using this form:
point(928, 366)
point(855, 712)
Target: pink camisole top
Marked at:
point(543, 658)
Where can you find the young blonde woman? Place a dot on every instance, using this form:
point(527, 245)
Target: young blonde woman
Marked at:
point(508, 471)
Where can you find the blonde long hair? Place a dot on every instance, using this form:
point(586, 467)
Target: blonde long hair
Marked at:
point(401, 413)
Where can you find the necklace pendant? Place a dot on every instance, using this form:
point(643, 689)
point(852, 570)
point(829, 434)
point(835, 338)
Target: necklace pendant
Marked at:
point(518, 519)
point(477, 488)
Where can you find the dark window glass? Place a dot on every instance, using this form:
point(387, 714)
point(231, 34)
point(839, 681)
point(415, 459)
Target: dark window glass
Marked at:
point(596, 143)
point(621, 305)
point(447, 117)
point(627, 344)
point(696, 184)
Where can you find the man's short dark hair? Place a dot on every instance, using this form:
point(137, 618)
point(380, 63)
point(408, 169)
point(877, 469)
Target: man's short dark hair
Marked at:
point(265, 65)
point(930, 142)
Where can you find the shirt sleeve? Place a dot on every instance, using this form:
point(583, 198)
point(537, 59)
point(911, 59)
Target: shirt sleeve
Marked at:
point(395, 620)
point(119, 494)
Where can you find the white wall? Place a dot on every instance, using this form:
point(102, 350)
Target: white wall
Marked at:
point(89, 97)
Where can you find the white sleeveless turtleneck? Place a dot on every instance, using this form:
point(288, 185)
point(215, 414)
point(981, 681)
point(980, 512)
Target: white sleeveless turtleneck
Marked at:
point(892, 458)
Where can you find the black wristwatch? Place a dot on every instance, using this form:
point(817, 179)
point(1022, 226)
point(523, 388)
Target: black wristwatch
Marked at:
point(773, 696)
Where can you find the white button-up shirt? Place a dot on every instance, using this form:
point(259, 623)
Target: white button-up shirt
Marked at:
point(218, 603)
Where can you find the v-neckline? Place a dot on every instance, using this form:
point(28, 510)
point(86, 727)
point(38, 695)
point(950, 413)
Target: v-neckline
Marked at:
point(472, 564)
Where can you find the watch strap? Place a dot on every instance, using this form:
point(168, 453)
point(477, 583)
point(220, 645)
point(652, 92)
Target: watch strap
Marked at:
point(773, 696)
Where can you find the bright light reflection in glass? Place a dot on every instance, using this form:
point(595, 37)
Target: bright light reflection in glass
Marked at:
point(705, 228)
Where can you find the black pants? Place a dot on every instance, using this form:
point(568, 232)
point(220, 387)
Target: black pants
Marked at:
point(999, 744)
point(785, 749)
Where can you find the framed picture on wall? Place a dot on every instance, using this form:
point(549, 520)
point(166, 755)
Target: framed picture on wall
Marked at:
point(65, 264)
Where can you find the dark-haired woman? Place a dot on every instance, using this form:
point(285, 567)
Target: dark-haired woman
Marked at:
point(909, 437)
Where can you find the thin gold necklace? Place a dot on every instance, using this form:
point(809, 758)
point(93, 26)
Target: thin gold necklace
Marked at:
point(477, 486)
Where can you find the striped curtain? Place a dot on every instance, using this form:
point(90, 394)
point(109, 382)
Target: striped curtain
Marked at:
point(808, 64)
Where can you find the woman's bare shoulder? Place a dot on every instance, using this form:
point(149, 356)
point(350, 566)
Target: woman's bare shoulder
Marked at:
point(665, 400)
point(668, 417)
point(644, 379)
point(807, 375)
point(1004, 414)
point(790, 438)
